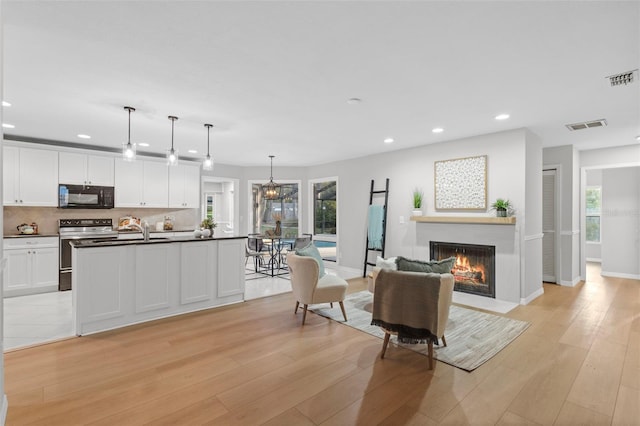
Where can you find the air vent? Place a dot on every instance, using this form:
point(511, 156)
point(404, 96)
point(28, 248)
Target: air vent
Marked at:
point(623, 78)
point(587, 124)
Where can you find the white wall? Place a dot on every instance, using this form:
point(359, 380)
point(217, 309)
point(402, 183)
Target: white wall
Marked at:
point(3, 402)
point(620, 222)
point(604, 159)
point(531, 240)
point(507, 172)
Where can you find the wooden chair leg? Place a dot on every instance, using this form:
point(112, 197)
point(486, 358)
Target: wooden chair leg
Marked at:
point(296, 310)
point(304, 313)
point(331, 305)
point(430, 355)
point(344, 313)
point(444, 342)
point(385, 343)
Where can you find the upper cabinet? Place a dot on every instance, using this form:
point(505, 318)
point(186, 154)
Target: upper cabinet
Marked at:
point(184, 186)
point(83, 169)
point(30, 177)
point(141, 184)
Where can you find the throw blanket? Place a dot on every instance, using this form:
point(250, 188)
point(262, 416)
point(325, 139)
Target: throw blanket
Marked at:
point(407, 303)
point(376, 219)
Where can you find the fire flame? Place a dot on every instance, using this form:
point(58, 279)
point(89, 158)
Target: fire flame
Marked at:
point(463, 270)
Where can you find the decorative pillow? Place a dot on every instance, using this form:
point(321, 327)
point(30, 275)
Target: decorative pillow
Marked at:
point(443, 266)
point(312, 251)
point(389, 263)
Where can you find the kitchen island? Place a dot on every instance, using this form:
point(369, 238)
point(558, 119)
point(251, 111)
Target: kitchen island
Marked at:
point(117, 283)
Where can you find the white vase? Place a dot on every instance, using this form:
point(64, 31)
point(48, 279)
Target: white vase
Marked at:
point(416, 213)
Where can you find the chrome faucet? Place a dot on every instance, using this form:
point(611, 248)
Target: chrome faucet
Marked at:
point(144, 229)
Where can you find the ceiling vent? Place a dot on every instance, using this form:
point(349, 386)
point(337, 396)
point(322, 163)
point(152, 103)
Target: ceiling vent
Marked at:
point(587, 124)
point(623, 78)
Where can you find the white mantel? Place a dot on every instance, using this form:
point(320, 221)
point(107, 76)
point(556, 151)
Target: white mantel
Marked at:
point(486, 220)
point(504, 238)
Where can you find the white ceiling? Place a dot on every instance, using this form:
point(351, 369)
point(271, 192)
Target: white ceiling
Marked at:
point(275, 77)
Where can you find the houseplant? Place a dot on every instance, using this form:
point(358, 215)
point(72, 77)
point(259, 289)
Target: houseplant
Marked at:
point(417, 202)
point(208, 223)
point(502, 207)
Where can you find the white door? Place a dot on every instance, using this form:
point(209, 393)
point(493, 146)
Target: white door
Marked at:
point(38, 177)
point(100, 170)
point(549, 226)
point(72, 168)
point(156, 184)
point(10, 173)
point(128, 182)
point(44, 270)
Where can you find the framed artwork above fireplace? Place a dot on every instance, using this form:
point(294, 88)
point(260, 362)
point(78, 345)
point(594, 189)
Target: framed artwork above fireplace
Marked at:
point(461, 183)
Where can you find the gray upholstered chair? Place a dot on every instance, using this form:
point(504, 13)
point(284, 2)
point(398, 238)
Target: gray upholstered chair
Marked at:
point(308, 289)
point(414, 305)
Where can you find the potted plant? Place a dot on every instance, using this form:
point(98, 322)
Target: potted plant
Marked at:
point(502, 207)
point(417, 202)
point(208, 223)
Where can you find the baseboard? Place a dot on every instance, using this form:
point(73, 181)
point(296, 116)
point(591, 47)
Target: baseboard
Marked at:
point(532, 296)
point(573, 283)
point(620, 275)
point(3, 413)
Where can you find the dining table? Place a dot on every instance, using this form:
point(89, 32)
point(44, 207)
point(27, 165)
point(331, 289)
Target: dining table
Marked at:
point(277, 263)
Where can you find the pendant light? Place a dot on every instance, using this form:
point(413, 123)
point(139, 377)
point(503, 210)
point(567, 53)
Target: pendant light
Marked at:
point(207, 164)
point(172, 154)
point(129, 149)
point(271, 190)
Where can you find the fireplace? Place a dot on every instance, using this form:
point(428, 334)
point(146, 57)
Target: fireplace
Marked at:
point(474, 270)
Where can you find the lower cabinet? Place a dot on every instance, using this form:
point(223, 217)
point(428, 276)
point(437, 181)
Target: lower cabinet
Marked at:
point(120, 285)
point(32, 265)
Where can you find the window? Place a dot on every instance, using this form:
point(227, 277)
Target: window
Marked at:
point(267, 212)
point(594, 207)
point(325, 208)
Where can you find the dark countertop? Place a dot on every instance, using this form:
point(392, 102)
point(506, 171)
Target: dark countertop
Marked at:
point(152, 240)
point(30, 235)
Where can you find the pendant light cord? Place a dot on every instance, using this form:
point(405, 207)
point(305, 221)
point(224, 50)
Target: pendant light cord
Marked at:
point(173, 119)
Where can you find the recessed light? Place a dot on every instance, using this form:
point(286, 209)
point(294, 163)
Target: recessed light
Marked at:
point(82, 136)
point(437, 130)
point(8, 126)
point(143, 144)
point(6, 104)
point(192, 151)
point(502, 116)
point(638, 138)
point(354, 101)
point(388, 140)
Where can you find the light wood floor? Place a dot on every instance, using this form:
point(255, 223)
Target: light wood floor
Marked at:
point(578, 363)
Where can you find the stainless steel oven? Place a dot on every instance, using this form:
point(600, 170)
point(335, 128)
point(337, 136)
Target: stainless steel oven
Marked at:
point(79, 229)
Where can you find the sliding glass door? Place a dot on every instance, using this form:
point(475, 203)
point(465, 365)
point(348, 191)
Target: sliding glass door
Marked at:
point(324, 193)
point(265, 212)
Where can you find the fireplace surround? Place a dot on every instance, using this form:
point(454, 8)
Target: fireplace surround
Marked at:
point(474, 270)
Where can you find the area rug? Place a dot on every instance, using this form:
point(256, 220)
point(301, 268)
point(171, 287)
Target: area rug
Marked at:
point(473, 337)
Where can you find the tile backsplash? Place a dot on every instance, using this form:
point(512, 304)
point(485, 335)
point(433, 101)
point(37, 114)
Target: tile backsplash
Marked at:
point(47, 217)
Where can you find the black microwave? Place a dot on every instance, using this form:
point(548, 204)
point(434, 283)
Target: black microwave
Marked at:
point(85, 197)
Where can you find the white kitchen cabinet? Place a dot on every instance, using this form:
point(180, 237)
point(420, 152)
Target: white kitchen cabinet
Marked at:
point(197, 272)
point(30, 177)
point(184, 186)
point(141, 184)
point(119, 285)
point(230, 265)
point(32, 265)
point(84, 169)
